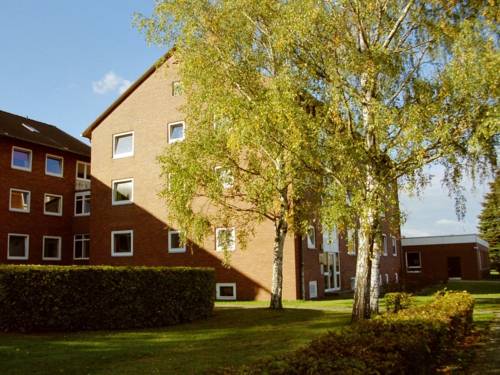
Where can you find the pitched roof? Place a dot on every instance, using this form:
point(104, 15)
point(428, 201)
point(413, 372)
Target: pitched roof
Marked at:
point(22, 128)
point(88, 132)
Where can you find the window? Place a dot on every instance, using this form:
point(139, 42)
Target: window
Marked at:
point(413, 261)
point(384, 244)
point(311, 237)
point(352, 241)
point(123, 191)
point(54, 165)
point(387, 278)
point(225, 177)
point(313, 289)
point(82, 203)
point(123, 145)
point(176, 132)
point(19, 200)
point(21, 159)
point(122, 243)
point(394, 247)
point(396, 278)
point(30, 128)
point(53, 205)
point(353, 283)
point(51, 248)
point(82, 171)
point(18, 246)
point(225, 239)
point(174, 242)
point(226, 291)
point(177, 88)
point(81, 246)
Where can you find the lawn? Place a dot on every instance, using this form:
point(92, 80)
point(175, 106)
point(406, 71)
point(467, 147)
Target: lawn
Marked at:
point(239, 332)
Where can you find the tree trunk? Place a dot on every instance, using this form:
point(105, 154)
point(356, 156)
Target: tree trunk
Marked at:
point(281, 228)
point(375, 282)
point(361, 306)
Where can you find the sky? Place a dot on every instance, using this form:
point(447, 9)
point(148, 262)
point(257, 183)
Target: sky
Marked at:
point(64, 62)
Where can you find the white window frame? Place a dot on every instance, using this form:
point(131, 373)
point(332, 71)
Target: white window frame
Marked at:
point(387, 279)
point(82, 194)
point(225, 298)
point(16, 209)
point(87, 168)
point(396, 277)
point(12, 159)
point(127, 231)
point(183, 131)
point(58, 247)
point(221, 248)
point(26, 246)
point(413, 269)
point(119, 203)
point(174, 250)
point(179, 82)
point(394, 246)
point(313, 286)
point(52, 156)
point(126, 154)
point(75, 240)
point(311, 242)
point(61, 205)
point(384, 245)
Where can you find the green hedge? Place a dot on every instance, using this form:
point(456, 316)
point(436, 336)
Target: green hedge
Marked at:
point(412, 341)
point(68, 298)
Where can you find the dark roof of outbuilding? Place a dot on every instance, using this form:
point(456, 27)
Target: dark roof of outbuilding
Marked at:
point(37, 132)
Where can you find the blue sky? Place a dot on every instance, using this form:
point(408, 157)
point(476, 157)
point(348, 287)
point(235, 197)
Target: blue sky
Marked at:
point(63, 62)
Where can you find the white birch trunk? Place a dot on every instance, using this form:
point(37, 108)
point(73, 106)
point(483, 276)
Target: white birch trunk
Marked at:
point(375, 282)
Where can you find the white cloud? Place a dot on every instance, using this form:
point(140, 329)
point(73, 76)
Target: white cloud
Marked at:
point(109, 83)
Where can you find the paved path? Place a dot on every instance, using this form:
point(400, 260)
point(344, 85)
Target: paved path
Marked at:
point(488, 354)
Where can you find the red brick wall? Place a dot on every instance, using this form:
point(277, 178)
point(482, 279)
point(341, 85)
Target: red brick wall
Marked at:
point(435, 266)
point(35, 223)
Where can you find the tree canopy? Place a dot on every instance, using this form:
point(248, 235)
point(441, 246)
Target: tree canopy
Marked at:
point(343, 99)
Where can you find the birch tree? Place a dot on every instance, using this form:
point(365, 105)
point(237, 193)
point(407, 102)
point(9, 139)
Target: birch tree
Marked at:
point(402, 84)
point(345, 99)
point(241, 108)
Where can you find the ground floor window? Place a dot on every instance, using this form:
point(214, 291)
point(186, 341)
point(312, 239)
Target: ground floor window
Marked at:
point(81, 248)
point(396, 278)
point(313, 289)
point(413, 261)
point(18, 246)
point(122, 243)
point(330, 269)
point(387, 278)
point(226, 291)
point(51, 248)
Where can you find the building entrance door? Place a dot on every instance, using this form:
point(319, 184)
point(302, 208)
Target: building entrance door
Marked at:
point(454, 268)
point(330, 260)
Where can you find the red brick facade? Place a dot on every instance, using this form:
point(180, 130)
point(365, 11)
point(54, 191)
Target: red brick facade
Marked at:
point(146, 110)
point(35, 223)
point(444, 257)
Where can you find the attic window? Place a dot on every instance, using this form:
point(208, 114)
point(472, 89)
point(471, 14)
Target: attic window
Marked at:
point(30, 128)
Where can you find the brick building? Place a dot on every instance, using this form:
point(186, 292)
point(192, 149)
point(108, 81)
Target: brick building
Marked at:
point(44, 194)
point(431, 260)
point(128, 225)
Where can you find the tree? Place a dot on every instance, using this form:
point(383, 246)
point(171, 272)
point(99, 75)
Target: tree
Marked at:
point(402, 85)
point(489, 221)
point(241, 108)
point(375, 90)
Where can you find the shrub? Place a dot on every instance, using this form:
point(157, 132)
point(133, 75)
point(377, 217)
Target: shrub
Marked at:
point(410, 342)
point(67, 298)
point(395, 302)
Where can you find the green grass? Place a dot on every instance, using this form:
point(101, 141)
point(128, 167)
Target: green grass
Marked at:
point(239, 332)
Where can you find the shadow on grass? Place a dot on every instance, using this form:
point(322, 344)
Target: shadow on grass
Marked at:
point(233, 336)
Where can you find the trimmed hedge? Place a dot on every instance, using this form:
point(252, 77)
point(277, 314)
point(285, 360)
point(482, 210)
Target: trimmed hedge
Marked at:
point(69, 298)
point(412, 341)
